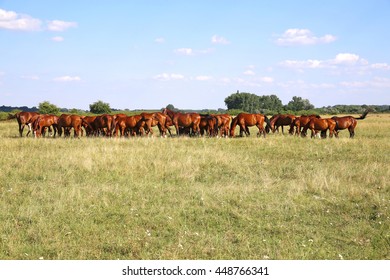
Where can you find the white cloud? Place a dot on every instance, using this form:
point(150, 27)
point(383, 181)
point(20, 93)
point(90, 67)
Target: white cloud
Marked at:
point(380, 66)
point(267, 79)
point(219, 40)
point(295, 36)
point(59, 25)
point(160, 40)
point(249, 73)
point(203, 78)
point(57, 39)
point(346, 58)
point(67, 79)
point(168, 77)
point(13, 21)
point(310, 63)
point(31, 77)
point(185, 51)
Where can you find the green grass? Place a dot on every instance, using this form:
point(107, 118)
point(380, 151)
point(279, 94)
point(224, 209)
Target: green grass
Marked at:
point(281, 197)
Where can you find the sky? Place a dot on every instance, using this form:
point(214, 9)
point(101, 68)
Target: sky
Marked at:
point(146, 54)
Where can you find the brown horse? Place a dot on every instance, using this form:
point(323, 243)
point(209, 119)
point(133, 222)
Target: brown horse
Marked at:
point(348, 122)
point(186, 120)
point(44, 121)
point(300, 122)
point(224, 121)
point(281, 120)
point(104, 123)
point(322, 125)
point(70, 121)
point(24, 118)
point(244, 120)
point(209, 125)
point(127, 124)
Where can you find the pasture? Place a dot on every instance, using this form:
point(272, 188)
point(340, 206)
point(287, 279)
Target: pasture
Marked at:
point(279, 197)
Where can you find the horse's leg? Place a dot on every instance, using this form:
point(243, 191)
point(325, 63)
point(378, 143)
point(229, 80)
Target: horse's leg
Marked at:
point(21, 127)
point(29, 129)
point(351, 132)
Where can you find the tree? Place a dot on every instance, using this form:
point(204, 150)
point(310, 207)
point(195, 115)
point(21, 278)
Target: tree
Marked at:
point(46, 107)
point(171, 107)
point(99, 107)
point(298, 104)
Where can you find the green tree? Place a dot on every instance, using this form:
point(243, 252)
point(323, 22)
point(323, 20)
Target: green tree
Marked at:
point(298, 103)
point(46, 107)
point(100, 107)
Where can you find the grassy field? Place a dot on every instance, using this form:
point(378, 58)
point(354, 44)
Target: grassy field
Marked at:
point(281, 197)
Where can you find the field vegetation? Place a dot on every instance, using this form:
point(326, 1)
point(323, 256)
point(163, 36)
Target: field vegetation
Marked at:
point(282, 197)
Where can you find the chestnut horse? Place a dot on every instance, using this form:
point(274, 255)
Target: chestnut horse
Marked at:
point(44, 121)
point(348, 122)
point(280, 120)
point(244, 120)
point(300, 122)
point(127, 123)
point(186, 120)
point(224, 121)
point(209, 124)
point(24, 118)
point(104, 123)
point(70, 121)
point(320, 125)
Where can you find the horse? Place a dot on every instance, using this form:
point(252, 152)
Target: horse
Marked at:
point(24, 118)
point(44, 121)
point(127, 123)
point(300, 122)
point(70, 121)
point(280, 120)
point(209, 124)
point(186, 120)
point(89, 125)
point(348, 122)
point(224, 121)
point(106, 122)
point(318, 124)
point(244, 120)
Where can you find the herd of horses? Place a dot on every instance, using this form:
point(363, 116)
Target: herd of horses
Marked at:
point(192, 124)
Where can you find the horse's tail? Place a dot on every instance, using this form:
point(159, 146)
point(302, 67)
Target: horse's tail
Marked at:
point(362, 117)
point(233, 126)
point(268, 126)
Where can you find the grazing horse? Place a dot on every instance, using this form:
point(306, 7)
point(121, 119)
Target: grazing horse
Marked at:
point(44, 121)
point(127, 123)
point(245, 120)
point(70, 121)
point(209, 124)
point(89, 125)
point(320, 125)
point(24, 118)
point(105, 123)
point(348, 122)
point(301, 122)
point(224, 121)
point(150, 120)
point(186, 120)
point(280, 120)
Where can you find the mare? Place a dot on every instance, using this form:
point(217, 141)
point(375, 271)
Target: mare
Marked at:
point(280, 120)
point(44, 121)
point(158, 119)
point(224, 121)
point(348, 122)
point(322, 125)
point(70, 121)
point(24, 118)
point(105, 123)
point(209, 124)
point(300, 122)
point(89, 125)
point(127, 123)
point(186, 120)
point(245, 120)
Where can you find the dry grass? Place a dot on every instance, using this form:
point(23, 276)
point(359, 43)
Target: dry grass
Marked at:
point(182, 198)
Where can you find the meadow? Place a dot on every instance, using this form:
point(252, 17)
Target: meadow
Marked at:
point(280, 197)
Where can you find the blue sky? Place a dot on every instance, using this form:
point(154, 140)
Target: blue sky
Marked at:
point(193, 54)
